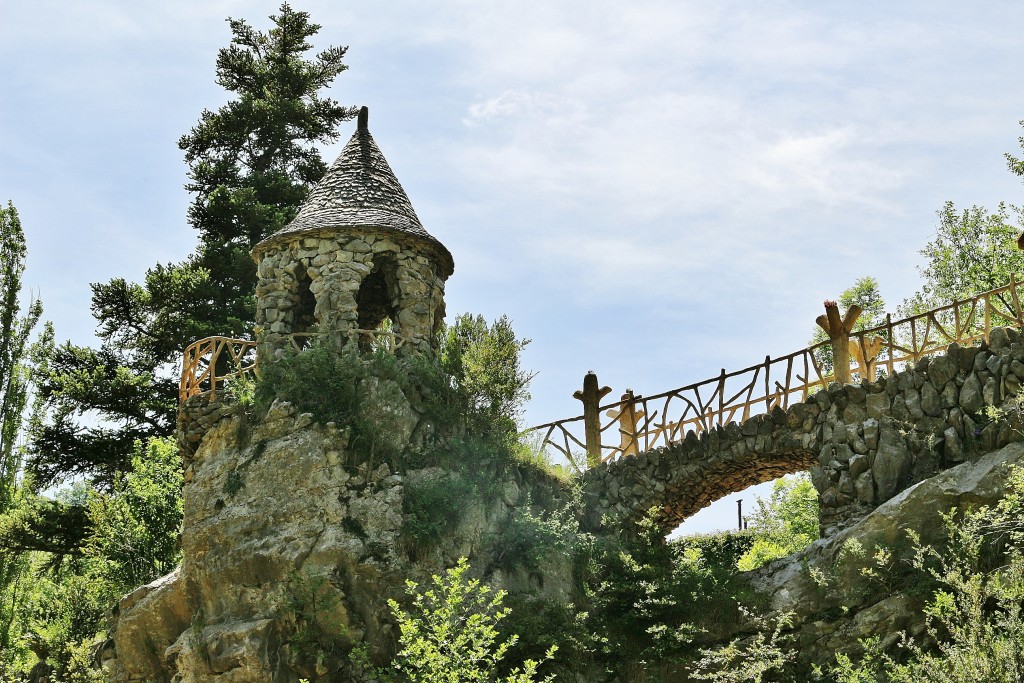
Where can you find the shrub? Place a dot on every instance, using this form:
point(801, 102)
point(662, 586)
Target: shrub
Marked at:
point(432, 506)
point(975, 616)
point(449, 634)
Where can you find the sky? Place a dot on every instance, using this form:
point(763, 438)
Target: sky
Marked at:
point(653, 190)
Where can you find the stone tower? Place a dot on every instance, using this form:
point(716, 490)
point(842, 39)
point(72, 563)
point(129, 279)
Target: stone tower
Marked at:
point(355, 257)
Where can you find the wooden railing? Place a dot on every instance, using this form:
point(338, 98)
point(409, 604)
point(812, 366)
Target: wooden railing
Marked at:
point(635, 424)
point(212, 363)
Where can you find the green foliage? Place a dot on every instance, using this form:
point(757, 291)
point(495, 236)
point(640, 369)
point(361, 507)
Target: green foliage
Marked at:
point(63, 611)
point(484, 362)
point(135, 527)
point(79, 382)
point(976, 614)
point(748, 660)
point(15, 332)
point(721, 550)
point(354, 391)
point(647, 599)
point(449, 633)
point(433, 506)
point(123, 538)
point(526, 539)
point(15, 355)
point(784, 523)
point(974, 250)
point(320, 630)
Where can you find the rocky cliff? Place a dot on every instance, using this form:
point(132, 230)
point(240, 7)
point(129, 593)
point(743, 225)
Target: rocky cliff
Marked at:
point(294, 539)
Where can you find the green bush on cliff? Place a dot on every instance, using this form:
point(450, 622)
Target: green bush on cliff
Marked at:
point(448, 634)
point(474, 384)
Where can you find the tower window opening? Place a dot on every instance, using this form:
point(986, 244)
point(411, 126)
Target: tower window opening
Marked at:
point(304, 312)
point(377, 299)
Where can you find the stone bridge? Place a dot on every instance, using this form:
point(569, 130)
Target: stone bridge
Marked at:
point(862, 444)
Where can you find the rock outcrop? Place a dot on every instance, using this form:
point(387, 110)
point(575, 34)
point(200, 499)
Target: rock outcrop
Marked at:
point(835, 605)
point(293, 543)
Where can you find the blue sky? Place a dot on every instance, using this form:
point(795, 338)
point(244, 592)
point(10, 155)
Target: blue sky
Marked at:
point(654, 190)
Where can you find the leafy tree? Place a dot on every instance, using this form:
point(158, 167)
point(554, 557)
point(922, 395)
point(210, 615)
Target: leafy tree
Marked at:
point(251, 164)
point(484, 362)
point(450, 635)
point(15, 332)
point(974, 250)
point(129, 537)
point(135, 528)
point(785, 523)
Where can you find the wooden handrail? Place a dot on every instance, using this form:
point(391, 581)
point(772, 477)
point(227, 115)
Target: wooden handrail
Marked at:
point(200, 374)
point(639, 423)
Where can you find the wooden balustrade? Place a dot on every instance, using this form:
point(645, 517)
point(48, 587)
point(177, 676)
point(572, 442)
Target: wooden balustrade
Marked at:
point(639, 423)
point(210, 364)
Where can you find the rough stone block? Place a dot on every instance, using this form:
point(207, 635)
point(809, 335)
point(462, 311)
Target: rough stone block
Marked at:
point(871, 433)
point(952, 447)
point(891, 465)
point(858, 465)
point(865, 488)
point(877, 405)
point(931, 402)
point(971, 398)
point(941, 370)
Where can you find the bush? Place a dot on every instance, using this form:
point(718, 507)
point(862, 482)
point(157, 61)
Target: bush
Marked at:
point(449, 634)
point(976, 615)
point(483, 361)
point(432, 506)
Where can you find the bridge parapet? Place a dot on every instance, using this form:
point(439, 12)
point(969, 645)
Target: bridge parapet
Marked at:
point(863, 444)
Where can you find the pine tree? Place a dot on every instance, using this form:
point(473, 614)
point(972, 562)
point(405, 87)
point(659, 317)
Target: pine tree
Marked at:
point(251, 165)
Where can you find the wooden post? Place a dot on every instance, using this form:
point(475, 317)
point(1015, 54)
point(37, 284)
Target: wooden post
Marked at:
point(591, 397)
point(865, 351)
point(628, 417)
point(838, 331)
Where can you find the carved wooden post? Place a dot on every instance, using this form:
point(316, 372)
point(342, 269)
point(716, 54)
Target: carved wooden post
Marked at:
point(591, 397)
point(838, 331)
point(628, 417)
point(865, 351)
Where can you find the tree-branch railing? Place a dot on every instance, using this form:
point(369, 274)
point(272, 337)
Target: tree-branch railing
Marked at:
point(636, 424)
point(209, 365)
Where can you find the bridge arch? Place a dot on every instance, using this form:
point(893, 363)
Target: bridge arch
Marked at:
point(678, 480)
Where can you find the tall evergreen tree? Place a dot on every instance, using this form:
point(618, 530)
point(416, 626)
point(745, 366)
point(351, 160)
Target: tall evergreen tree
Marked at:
point(251, 165)
point(15, 331)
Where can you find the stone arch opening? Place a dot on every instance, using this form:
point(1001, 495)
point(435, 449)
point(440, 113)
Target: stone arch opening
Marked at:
point(378, 296)
point(304, 309)
point(725, 514)
point(720, 479)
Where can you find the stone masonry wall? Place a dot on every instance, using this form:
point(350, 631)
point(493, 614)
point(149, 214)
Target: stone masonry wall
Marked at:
point(337, 264)
point(862, 444)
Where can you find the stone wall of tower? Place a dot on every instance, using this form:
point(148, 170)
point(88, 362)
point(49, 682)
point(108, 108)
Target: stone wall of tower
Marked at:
point(333, 267)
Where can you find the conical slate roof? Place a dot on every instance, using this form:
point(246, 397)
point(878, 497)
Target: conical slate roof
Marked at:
point(359, 190)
